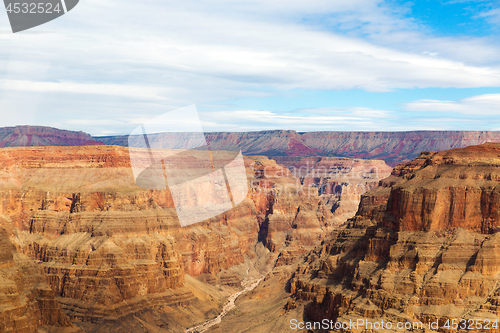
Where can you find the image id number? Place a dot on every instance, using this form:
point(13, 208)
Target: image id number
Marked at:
point(33, 8)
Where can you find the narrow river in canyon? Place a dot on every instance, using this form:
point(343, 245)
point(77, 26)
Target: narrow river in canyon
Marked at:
point(248, 284)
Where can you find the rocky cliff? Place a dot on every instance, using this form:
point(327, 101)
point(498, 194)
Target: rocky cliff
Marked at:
point(106, 249)
point(340, 181)
point(26, 299)
point(21, 136)
point(422, 248)
point(392, 147)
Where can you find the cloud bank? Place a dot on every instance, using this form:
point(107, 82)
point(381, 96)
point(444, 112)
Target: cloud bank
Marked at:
point(110, 63)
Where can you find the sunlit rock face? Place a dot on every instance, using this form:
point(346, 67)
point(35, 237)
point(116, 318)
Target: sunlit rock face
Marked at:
point(456, 188)
point(104, 247)
point(26, 299)
point(423, 246)
point(339, 181)
point(107, 246)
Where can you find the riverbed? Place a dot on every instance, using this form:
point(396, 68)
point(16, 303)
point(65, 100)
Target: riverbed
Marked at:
point(248, 286)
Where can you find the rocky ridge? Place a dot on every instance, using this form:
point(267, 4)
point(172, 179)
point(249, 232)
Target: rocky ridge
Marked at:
point(26, 300)
point(392, 147)
point(21, 136)
point(340, 181)
point(423, 247)
point(107, 249)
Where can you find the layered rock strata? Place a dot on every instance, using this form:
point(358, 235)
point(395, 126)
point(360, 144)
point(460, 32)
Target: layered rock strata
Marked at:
point(423, 247)
point(109, 249)
point(392, 147)
point(340, 182)
point(21, 136)
point(292, 217)
point(26, 300)
point(107, 246)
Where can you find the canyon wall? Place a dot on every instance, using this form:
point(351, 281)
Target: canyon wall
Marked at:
point(105, 248)
point(392, 147)
point(26, 300)
point(21, 136)
point(423, 247)
point(340, 181)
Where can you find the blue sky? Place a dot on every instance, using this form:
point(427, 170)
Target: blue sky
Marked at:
point(320, 65)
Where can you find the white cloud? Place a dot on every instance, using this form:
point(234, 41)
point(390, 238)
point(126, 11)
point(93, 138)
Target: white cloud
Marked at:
point(306, 120)
point(348, 119)
point(125, 59)
point(476, 105)
point(492, 15)
point(108, 89)
point(200, 49)
point(351, 111)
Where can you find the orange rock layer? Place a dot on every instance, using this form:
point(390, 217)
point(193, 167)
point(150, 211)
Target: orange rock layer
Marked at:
point(106, 247)
point(423, 246)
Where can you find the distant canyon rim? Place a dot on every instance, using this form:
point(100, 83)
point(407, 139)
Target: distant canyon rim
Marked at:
point(392, 147)
point(337, 231)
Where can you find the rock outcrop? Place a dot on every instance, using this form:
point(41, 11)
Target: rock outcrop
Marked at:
point(392, 147)
point(107, 249)
point(340, 181)
point(26, 300)
point(423, 247)
point(292, 216)
point(21, 136)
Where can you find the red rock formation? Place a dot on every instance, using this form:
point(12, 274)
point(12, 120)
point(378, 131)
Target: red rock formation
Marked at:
point(422, 247)
point(392, 147)
point(109, 248)
point(26, 300)
point(340, 181)
point(456, 188)
point(20, 136)
point(291, 215)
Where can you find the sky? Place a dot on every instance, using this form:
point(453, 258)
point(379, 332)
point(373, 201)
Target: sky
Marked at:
point(318, 65)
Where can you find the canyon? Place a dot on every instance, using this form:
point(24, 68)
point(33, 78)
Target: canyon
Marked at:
point(340, 181)
point(423, 247)
point(391, 147)
point(84, 248)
